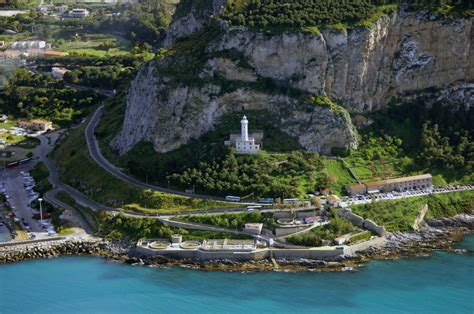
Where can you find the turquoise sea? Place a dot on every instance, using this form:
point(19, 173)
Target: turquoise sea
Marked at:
point(442, 283)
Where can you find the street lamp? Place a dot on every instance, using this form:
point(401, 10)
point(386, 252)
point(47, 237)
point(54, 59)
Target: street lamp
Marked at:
point(41, 211)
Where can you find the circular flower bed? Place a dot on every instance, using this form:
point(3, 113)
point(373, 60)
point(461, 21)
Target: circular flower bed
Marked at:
point(189, 245)
point(157, 245)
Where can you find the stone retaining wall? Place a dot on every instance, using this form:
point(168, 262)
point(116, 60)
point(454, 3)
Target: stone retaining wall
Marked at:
point(356, 220)
point(360, 222)
point(352, 250)
point(279, 215)
point(25, 243)
point(329, 254)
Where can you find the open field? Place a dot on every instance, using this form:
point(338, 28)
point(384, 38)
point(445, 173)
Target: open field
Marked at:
point(96, 45)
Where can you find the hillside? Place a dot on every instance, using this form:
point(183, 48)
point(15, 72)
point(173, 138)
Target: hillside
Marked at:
point(220, 69)
point(319, 76)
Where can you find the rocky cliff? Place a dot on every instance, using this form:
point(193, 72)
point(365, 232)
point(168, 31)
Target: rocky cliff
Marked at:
point(361, 68)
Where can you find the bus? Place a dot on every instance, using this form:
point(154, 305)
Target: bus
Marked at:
point(13, 164)
point(266, 200)
point(24, 161)
point(290, 201)
point(253, 207)
point(232, 198)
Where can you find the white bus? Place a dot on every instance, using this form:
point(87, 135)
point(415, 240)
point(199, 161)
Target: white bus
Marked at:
point(253, 207)
point(232, 198)
point(290, 201)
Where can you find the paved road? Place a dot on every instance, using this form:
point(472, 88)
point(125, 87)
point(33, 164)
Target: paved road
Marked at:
point(19, 198)
point(58, 186)
point(42, 151)
point(95, 153)
point(105, 92)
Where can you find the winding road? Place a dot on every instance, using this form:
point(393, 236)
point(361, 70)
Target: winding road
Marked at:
point(97, 156)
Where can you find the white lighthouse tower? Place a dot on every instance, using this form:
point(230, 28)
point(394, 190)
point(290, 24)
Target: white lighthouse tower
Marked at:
point(245, 144)
point(244, 129)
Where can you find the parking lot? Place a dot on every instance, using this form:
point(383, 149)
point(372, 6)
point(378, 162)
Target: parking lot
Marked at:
point(17, 187)
point(363, 199)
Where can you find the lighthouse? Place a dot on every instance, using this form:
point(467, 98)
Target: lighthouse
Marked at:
point(243, 142)
point(244, 129)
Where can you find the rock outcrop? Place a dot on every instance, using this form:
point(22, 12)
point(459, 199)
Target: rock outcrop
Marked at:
point(191, 16)
point(361, 68)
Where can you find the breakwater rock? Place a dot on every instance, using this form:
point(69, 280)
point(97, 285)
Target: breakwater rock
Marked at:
point(15, 252)
point(437, 235)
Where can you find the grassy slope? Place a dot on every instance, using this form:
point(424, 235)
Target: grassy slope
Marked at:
point(340, 173)
point(80, 171)
point(120, 227)
point(399, 215)
point(91, 46)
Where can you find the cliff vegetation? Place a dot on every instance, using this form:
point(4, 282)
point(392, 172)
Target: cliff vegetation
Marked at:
point(287, 15)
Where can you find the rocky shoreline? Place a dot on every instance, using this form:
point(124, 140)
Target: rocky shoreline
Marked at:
point(436, 235)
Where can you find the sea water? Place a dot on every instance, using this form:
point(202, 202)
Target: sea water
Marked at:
point(442, 283)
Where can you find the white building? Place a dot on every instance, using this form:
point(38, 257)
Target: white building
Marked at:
point(78, 13)
point(253, 228)
point(245, 144)
point(25, 45)
point(58, 72)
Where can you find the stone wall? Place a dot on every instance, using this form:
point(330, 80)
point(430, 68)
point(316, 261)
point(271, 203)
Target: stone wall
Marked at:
point(363, 246)
point(318, 254)
point(420, 217)
point(360, 222)
point(279, 215)
point(356, 220)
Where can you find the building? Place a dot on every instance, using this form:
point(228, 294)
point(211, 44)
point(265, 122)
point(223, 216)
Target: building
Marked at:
point(43, 9)
point(339, 241)
point(253, 228)
point(227, 245)
point(333, 200)
point(36, 125)
point(423, 181)
point(243, 142)
point(67, 214)
point(176, 238)
point(58, 72)
point(357, 189)
point(25, 45)
point(77, 14)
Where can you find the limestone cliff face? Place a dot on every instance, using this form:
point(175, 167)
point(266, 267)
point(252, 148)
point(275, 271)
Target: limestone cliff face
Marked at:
point(190, 17)
point(361, 68)
point(177, 115)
